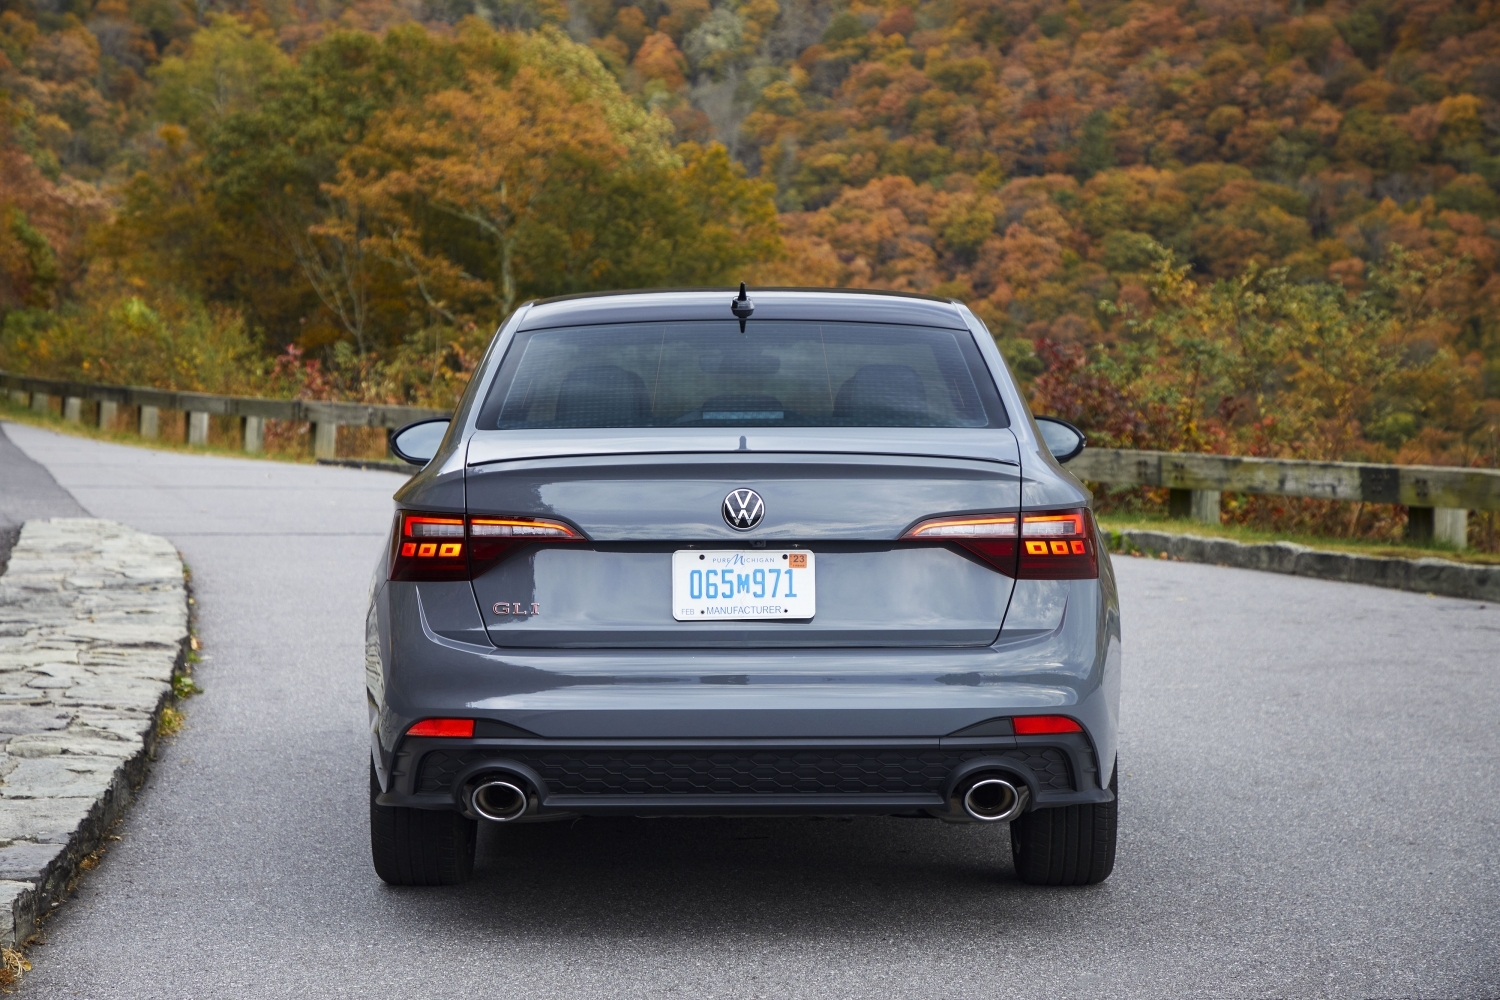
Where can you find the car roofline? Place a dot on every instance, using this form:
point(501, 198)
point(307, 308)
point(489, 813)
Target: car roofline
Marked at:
point(732, 290)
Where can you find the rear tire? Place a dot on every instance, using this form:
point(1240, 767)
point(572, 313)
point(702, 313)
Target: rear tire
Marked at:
point(419, 846)
point(1067, 845)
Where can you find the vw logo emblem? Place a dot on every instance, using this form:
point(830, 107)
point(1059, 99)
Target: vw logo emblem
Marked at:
point(743, 509)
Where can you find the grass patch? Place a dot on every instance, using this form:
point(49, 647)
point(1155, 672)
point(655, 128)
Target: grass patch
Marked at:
point(169, 723)
point(1358, 546)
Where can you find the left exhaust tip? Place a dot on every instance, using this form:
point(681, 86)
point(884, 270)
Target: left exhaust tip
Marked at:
point(499, 801)
point(995, 800)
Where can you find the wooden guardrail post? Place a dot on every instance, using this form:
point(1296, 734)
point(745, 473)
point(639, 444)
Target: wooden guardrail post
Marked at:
point(325, 439)
point(73, 409)
point(1208, 506)
point(1450, 525)
point(40, 402)
point(150, 422)
point(197, 427)
point(109, 411)
point(253, 433)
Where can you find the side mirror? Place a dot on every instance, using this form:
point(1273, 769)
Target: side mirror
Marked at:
point(1062, 439)
point(417, 443)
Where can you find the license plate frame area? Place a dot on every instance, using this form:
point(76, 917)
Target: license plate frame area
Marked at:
point(767, 584)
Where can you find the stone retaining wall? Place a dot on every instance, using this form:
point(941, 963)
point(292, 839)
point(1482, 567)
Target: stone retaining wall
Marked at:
point(93, 625)
point(1427, 576)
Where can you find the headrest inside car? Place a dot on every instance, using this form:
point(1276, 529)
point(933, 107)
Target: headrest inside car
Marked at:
point(601, 396)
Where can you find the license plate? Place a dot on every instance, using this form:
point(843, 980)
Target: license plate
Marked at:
point(736, 585)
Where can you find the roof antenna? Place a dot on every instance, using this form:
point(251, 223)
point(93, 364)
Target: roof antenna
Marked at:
point(742, 307)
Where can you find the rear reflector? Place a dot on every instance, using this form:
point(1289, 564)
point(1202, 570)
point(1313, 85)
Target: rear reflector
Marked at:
point(462, 728)
point(448, 547)
point(1044, 725)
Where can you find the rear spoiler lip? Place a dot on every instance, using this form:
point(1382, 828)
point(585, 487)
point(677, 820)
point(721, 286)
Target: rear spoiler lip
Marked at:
point(997, 445)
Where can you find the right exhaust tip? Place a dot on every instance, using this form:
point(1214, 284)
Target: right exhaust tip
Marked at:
point(995, 800)
point(499, 801)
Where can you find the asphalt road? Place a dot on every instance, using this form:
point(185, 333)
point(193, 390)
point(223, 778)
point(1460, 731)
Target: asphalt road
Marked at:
point(27, 490)
point(1310, 807)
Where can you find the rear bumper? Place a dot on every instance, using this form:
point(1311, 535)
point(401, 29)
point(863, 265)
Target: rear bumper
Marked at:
point(754, 730)
point(645, 778)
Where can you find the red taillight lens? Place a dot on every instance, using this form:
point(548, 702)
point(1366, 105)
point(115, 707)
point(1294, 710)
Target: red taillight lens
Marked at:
point(462, 728)
point(1044, 725)
point(1058, 545)
point(429, 547)
point(446, 547)
point(992, 537)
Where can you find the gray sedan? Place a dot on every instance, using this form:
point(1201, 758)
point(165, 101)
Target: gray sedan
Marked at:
point(698, 553)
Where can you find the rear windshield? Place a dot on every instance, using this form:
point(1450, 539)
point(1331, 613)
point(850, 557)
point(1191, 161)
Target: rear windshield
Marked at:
point(709, 374)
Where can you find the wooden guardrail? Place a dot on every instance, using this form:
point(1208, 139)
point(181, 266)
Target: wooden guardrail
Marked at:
point(325, 418)
point(1439, 497)
point(1413, 485)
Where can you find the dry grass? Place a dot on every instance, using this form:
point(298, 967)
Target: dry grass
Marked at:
point(13, 966)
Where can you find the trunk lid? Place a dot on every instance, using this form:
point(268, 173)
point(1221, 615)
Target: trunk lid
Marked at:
point(846, 494)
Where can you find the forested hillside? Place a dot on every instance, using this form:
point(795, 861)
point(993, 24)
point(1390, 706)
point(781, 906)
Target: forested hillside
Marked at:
point(1264, 227)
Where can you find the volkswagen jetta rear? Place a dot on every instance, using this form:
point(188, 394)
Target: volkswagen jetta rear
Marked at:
point(682, 553)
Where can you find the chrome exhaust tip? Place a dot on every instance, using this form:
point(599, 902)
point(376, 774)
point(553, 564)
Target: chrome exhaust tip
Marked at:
point(995, 800)
point(499, 801)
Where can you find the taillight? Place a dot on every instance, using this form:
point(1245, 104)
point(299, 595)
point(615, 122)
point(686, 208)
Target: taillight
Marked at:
point(1053, 545)
point(429, 547)
point(445, 547)
point(494, 538)
point(1044, 725)
point(462, 728)
point(1058, 545)
point(991, 537)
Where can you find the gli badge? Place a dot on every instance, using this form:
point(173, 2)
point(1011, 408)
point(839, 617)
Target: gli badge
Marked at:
point(503, 608)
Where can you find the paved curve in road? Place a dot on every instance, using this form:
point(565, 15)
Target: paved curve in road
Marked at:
point(1310, 807)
